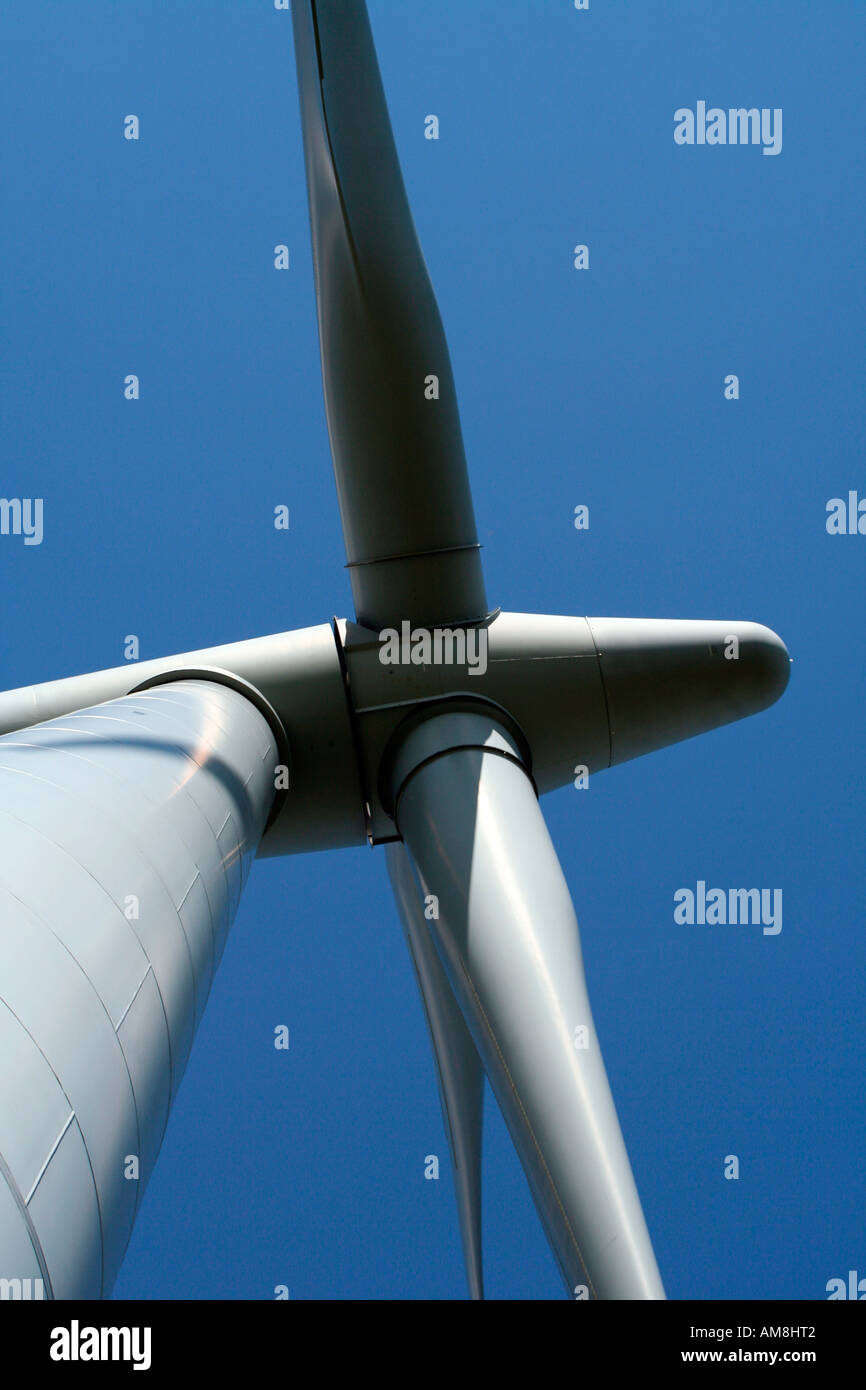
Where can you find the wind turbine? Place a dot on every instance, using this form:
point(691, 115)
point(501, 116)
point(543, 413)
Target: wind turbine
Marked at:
point(133, 800)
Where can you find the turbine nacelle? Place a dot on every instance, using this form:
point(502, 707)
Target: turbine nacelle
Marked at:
point(670, 679)
point(586, 692)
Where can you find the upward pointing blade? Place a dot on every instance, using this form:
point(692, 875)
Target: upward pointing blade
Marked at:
point(402, 484)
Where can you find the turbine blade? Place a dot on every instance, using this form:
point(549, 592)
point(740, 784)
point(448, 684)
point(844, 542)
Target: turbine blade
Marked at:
point(402, 484)
point(508, 938)
point(458, 1067)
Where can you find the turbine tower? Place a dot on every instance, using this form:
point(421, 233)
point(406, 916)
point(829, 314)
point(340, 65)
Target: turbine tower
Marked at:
point(133, 800)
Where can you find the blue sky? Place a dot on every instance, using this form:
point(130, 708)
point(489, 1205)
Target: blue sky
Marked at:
point(602, 387)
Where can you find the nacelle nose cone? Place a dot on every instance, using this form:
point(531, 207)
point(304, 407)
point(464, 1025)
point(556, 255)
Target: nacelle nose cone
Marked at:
point(669, 679)
point(768, 663)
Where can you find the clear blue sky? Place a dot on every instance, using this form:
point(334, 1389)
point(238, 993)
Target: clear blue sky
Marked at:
point(602, 387)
